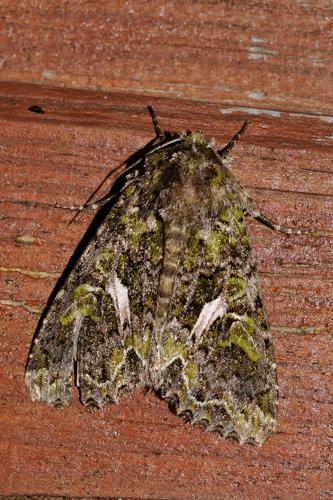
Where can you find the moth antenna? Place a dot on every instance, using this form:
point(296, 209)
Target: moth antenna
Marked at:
point(226, 150)
point(87, 202)
point(155, 120)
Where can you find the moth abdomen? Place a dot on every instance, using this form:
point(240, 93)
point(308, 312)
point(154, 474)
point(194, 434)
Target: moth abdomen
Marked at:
point(174, 239)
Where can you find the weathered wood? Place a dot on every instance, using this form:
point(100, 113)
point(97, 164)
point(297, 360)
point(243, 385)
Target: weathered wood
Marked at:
point(139, 448)
point(273, 54)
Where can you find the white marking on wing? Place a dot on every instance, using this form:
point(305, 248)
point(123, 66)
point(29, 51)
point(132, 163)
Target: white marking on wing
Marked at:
point(119, 294)
point(76, 333)
point(209, 313)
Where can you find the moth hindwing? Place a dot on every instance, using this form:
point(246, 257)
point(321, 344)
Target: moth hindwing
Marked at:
point(166, 296)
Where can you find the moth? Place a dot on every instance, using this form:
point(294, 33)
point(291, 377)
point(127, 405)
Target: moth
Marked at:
point(166, 296)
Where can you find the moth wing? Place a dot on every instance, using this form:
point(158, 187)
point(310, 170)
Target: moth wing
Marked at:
point(96, 321)
point(217, 362)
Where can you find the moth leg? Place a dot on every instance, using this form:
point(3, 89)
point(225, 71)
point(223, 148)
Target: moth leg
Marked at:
point(155, 121)
point(267, 222)
point(226, 150)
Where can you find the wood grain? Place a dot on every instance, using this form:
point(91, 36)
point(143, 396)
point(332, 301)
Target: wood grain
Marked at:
point(271, 54)
point(139, 449)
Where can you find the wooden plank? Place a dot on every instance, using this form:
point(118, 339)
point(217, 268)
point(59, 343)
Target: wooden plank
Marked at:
point(139, 448)
point(269, 54)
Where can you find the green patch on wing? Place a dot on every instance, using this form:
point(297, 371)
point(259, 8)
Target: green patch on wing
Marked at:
point(218, 179)
point(85, 304)
point(135, 227)
point(236, 288)
point(105, 262)
point(172, 350)
point(155, 242)
point(240, 335)
point(191, 373)
point(214, 246)
point(140, 343)
point(225, 215)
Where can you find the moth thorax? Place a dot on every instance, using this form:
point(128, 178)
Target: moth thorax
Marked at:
point(190, 193)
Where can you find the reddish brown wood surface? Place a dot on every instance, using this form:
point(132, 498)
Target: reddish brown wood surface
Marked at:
point(140, 449)
point(273, 53)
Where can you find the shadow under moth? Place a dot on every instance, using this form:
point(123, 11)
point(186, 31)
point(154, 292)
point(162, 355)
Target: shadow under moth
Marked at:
point(166, 296)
